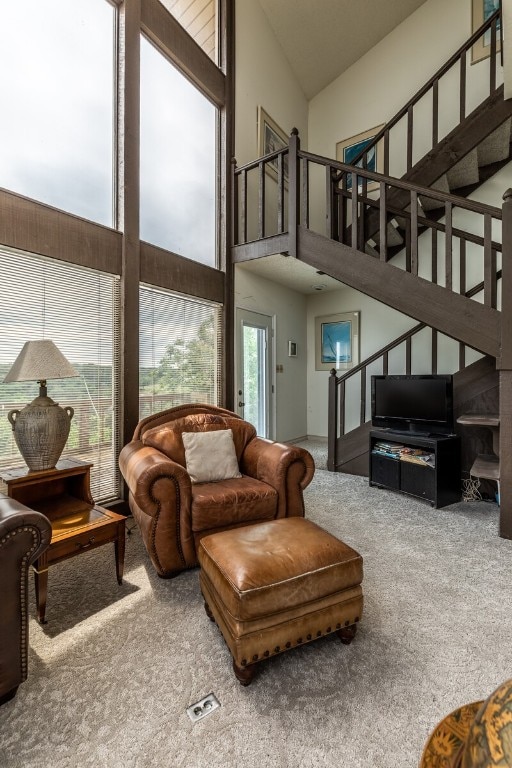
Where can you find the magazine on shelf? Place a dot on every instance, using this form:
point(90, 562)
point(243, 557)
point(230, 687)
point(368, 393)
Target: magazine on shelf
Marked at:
point(426, 459)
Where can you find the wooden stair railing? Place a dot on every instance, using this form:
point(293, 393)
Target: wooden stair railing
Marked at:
point(337, 385)
point(460, 243)
point(474, 248)
point(383, 139)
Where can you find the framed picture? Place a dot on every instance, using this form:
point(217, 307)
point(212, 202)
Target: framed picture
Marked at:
point(292, 349)
point(337, 341)
point(348, 149)
point(481, 10)
point(270, 138)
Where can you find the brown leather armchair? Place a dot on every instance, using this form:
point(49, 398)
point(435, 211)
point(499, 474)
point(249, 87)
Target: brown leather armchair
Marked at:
point(173, 514)
point(24, 535)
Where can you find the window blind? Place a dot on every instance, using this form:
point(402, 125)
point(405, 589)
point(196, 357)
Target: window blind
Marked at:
point(79, 310)
point(180, 350)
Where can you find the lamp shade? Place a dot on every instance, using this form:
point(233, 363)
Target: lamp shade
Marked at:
point(38, 361)
point(42, 427)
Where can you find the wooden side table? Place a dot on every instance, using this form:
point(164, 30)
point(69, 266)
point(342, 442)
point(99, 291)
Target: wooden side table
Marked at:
point(78, 524)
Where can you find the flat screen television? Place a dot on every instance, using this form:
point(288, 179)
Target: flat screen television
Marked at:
point(415, 403)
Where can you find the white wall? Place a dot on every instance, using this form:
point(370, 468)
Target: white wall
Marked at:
point(264, 78)
point(288, 308)
point(381, 82)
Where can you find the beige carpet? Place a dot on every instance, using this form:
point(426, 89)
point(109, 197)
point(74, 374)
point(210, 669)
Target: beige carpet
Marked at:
point(111, 675)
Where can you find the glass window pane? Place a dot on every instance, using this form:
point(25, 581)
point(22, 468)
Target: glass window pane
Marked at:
point(254, 377)
point(79, 310)
point(177, 161)
point(56, 91)
point(198, 18)
point(180, 351)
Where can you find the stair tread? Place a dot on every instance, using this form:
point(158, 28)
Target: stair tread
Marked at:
point(479, 419)
point(495, 147)
point(393, 236)
point(464, 172)
point(429, 203)
point(486, 466)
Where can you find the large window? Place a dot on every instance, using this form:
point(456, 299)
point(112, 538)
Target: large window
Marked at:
point(180, 348)
point(57, 96)
point(177, 161)
point(78, 309)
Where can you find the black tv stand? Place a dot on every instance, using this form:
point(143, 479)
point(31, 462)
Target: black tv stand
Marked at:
point(439, 484)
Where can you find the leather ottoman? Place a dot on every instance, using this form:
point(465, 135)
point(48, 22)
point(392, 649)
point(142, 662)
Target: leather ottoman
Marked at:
point(274, 586)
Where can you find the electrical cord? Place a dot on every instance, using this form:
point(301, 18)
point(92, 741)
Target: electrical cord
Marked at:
point(470, 490)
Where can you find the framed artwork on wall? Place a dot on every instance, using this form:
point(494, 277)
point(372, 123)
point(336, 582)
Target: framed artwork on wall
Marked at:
point(481, 10)
point(270, 138)
point(337, 341)
point(292, 349)
point(348, 149)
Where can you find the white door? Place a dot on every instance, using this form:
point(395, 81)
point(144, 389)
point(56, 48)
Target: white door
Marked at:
point(254, 392)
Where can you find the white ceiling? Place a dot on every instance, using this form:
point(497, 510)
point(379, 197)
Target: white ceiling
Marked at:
point(292, 273)
point(322, 38)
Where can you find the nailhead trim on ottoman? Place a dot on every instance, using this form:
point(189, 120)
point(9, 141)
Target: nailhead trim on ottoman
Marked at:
point(277, 585)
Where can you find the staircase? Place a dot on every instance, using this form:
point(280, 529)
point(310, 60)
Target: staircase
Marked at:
point(408, 237)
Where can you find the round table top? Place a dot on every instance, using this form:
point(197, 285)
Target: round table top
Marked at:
point(444, 746)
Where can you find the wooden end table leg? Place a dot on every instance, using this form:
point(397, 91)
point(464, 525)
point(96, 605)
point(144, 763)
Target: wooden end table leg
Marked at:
point(41, 587)
point(347, 634)
point(244, 675)
point(119, 550)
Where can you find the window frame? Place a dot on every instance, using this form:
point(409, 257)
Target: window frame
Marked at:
point(38, 228)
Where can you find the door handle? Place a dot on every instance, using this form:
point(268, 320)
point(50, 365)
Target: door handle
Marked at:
point(240, 404)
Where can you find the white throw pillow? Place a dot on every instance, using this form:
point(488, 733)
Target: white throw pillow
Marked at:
point(210, 456)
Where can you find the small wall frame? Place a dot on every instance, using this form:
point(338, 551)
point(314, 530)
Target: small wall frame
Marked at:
point(292, 349)
point(348, 149)
point(337, 341)
point(481, 10)
point(270, 138)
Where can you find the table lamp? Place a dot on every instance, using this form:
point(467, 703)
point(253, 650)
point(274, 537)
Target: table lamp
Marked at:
point(42, 427)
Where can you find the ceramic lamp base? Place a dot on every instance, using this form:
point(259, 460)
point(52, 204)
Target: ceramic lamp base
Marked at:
point(41, 430)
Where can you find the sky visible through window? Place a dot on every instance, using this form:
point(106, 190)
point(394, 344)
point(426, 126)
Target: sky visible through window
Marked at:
point(56, 91)
point(177, 162)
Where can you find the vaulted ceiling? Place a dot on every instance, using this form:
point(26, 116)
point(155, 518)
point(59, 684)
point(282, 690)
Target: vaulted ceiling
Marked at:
point(322, 38)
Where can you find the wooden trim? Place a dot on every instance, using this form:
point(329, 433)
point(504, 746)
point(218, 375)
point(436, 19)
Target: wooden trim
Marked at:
point(176, 273)
point(38, 228)
point(226, 9)
point(475, 324)
point(175, 43)
point(488, 116)
point(505, 364)
point(259, 248)
point(506, 285)
point(407, 185)
point(293, 191)
point(332, 421)
point(505, 465)
point(128, 191)
point(353, 444)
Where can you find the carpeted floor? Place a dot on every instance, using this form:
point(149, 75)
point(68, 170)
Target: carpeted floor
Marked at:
point(112, 673)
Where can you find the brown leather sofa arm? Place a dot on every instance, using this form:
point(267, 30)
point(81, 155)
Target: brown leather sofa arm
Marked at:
point(24, 535)
point(160, 501)
point(14, 518)
point(287, 468)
